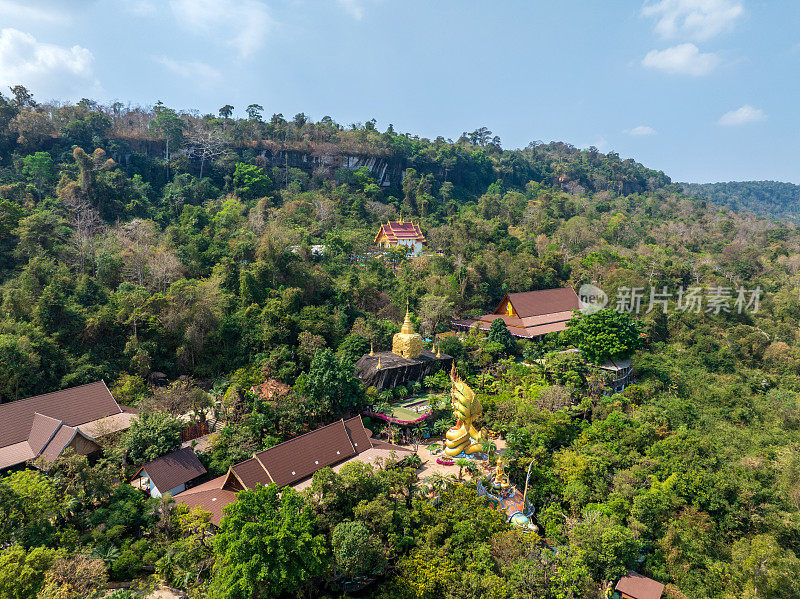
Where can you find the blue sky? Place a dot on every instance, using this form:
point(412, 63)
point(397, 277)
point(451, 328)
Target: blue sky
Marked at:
point(706, 90)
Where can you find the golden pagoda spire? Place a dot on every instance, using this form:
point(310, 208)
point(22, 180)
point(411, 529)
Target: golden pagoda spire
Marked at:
point(407, 343)
point(378, 367)
point(439, 349)
point(408, 327)
point(371, 350)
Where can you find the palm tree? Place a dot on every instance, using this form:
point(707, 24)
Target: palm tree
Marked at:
point(461, 463)
point(489, 447)
point(438, 482)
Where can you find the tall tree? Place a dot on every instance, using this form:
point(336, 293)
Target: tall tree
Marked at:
point(267, 546)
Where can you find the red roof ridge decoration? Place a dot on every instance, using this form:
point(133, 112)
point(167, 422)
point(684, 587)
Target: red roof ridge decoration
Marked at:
point(396, 230)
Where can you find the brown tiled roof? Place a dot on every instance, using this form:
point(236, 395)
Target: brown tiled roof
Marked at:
point(287, 464)
point(358, 434)
point(524, 332)
point(531, 321)
point(251, 473)
point(545, 301)
point(211, 500)
point(214, 483)
point(639, 587)
point(109, 424)
point(60, 440)
point(17, 453)
point(373, 456)
point(42, 431)
point(74, 406)
point(174, 469)
point(302, 456)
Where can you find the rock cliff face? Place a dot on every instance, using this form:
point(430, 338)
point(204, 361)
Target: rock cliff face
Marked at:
point(387, 170)
point(396, 370)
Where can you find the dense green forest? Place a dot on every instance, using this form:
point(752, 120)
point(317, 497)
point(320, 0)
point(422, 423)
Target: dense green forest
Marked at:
point(149, 240)
point(765, 198)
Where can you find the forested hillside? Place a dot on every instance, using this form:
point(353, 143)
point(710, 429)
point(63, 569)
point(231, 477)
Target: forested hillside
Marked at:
point(149, 240)
point(116, 259)
point(766, 198)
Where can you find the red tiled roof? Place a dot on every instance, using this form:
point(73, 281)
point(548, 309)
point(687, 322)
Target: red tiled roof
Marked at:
point(545, 301)
point(174, 469)
point(516, 331)
point(359, 436)
point(42, 431)
point(395, 230)
point(639, 587)
point(214, 483)
point(251, 473)
point(60, 440)
point(286, 464)
point(17, 453)
point(535, 313)
point(210, 500)
point(74, 406)
point(302, 456)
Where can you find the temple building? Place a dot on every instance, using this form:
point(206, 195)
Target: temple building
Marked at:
point(293, 464)
point(408, 361)
point(46, 425)
point(531, 314)
point(400, 233)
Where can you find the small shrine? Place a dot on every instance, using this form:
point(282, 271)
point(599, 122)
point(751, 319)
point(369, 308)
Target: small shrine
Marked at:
point(508, 498)
point(408, 361)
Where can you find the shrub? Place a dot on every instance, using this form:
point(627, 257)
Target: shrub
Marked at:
point(126, 566)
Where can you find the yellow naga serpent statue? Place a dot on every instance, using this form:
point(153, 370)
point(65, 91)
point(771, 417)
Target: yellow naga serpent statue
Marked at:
point(464, 436)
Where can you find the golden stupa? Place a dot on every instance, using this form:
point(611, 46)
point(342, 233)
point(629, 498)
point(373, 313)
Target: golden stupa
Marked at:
point(463, 436)
point(407, 343)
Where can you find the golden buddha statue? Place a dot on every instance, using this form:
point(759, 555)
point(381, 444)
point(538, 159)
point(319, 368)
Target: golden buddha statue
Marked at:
point(463, 436)
point(500, 476)
point(407, 343)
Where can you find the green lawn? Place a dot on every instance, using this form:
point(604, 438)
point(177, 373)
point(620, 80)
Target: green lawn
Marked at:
point(404, 414)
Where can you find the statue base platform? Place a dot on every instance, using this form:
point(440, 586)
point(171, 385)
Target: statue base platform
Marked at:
point(396, 370)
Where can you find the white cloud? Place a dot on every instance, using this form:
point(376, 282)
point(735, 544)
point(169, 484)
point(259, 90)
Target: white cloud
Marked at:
point(242, 24)
point(355, 8)
point(683, 59)
point(696, 19)
point(601, 144)
point(24, 11)
point(46, 69)
point(741, 116)
point(640, 130)
point(141, 8)
point(195, 70)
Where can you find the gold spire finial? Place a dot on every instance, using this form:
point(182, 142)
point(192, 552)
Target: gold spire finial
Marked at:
point(371, 350)
point(379, 363)
point(408, 327)
point(439, 350)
